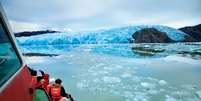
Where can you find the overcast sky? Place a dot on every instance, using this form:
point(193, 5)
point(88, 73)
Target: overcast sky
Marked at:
point(82, 15)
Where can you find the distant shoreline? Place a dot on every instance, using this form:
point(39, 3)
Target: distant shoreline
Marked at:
point(39, 54)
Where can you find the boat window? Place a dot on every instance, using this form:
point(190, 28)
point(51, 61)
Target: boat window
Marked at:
point(9, 61)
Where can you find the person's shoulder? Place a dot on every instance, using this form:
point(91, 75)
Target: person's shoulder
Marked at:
point(62, 87)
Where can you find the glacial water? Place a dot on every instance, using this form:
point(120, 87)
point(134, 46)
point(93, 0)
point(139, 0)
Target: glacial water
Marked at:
point(123, 72)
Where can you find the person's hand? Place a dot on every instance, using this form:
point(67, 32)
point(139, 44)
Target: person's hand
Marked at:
point(71, 98)
point(42, 72)
point(68, 95)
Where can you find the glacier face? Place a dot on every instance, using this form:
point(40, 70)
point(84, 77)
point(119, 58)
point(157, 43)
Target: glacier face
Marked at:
point(105, 36)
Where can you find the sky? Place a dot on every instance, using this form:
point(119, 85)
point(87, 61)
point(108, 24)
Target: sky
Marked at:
point(86, 15)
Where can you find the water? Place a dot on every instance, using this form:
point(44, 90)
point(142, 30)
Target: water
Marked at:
point(124, 72)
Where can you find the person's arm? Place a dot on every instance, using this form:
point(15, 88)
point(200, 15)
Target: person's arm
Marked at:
point(32, 71)
point(63, 92)
point(42, 72)
point(71, 98)
point(50, 94)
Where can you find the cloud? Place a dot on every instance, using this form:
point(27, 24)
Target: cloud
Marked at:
point(24, 26)
point(94, 14)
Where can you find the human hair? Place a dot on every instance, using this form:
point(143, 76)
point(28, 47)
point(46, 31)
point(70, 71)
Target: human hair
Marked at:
point(58, 81)
point(34, 73)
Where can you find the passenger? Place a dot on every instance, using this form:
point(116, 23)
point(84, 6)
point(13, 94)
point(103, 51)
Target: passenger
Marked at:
point(34, 78)
point(50, 85)
point(32, 71)
point(46, 77)
point(45, 80)
point(57, 91)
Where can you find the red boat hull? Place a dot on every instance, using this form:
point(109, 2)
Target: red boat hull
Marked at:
point(20, 88)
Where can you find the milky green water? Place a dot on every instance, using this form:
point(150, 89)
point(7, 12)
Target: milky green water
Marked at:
point(91, 76)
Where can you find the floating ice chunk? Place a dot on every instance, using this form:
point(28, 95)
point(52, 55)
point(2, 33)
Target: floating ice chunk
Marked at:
point(118, 66)
point(115, 92)
point(181, 93)
point(90, 70)
point(87, 50)
point(169, 98)
point(153, 92)
point(108, 68)
point(81, 85)
point(96, 80)
point(100, 65)
point(128, 94)
point(126, 75)
point(161, 90)
point(152, 79)
point(94, 74)
point(147, 85)
point(189, 87)
point(139, 96)
point(136, 79)
point(103, 72)
point(180, 59)
point(162, 82)
point(198, 93)
point(108, 79)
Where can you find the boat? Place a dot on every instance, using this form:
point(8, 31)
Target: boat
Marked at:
point(15, 77)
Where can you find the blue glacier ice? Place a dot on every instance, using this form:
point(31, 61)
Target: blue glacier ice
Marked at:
point(104, 36)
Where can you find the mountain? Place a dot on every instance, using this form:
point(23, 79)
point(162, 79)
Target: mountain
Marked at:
point(31, 33)
point(193, 31)
point(151, 35)
point(104, 36)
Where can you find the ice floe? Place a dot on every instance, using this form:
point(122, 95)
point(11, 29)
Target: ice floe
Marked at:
point(81, 85)
point(177, 58)
point(126, 75)
point(198, 93)
point(162, 82)
point(111, 79)
point(147, 85)
point(169, 98)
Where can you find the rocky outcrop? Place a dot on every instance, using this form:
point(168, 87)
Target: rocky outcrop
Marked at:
point(147, 51)
point(188, 38)
point(31, 33)
point(151, 35)
point(193, 31)
point(40, 54)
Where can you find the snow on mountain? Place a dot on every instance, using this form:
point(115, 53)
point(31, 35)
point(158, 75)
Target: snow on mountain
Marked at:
point(113, 35)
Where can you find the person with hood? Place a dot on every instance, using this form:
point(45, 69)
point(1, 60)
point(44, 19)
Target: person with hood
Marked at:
point(57, 91)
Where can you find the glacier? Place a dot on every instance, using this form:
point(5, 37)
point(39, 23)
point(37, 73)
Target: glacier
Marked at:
point(104, 36)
